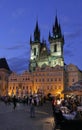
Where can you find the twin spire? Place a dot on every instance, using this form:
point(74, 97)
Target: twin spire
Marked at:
point(56, 31)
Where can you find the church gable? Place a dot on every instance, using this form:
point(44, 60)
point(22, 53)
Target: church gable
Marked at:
point(43, 51)
point(72, 67)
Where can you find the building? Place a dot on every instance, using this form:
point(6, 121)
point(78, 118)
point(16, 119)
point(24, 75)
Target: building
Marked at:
point(47, 71)
point(20, 85)
point(73, 74)
point(41, 56)
point(4, 73)
point(49, 80)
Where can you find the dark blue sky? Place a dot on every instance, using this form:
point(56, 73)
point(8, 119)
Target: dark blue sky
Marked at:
point(17, 23)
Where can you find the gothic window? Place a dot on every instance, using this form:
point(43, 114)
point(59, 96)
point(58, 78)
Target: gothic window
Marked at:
point(34, 51)
point(55, 48)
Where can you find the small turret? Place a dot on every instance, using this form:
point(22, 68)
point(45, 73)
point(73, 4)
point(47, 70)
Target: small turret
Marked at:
point(49, 36)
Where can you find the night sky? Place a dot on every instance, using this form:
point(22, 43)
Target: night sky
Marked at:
point(17, 22)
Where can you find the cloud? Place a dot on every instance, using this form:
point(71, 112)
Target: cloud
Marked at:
point(16, 47)
point(73, 35)
point(18, 64)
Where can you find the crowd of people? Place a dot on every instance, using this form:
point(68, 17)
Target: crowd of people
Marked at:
point(31, 100)
point(63, 109)
point(66, 109)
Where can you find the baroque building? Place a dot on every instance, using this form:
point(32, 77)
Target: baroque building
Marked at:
point(49, 80)
point(20, 84)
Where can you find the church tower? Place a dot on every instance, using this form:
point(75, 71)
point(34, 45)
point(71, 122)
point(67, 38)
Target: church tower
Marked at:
point(56, 45)
point(40, 55)
point(35, 48)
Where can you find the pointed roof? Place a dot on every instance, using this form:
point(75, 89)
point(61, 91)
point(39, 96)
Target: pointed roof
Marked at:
point(56, 27)
point(37, 32)
point(56, 21)
point(4, 64)
point(37, 27)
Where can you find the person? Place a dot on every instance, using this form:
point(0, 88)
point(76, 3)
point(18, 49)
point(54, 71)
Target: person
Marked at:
point(32, 108)
point(14, 102)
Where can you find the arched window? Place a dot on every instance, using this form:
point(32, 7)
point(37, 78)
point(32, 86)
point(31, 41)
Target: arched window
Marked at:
point(34, 51)
point(55, 48)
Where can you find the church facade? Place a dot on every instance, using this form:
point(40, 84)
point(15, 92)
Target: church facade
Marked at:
point(41, 56)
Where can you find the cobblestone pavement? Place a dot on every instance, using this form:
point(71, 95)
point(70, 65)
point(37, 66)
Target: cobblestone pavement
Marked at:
point(19, 119)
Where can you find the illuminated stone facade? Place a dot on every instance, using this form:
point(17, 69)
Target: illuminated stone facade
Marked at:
point(49, 80)
point(20, 85)
point(41, 56)
point(44, 80)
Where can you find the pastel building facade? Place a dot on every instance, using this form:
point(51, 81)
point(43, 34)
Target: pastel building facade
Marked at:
point(20, 85)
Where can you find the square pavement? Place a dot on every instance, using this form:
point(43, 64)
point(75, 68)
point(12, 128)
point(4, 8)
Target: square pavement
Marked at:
point(20, 119)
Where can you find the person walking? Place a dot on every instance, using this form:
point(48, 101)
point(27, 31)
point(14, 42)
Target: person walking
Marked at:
point(14, 102)
point(32, 108)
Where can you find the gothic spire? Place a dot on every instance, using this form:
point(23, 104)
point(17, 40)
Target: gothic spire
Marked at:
point(56, 22)
point(55, 26)
point(37, 33)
